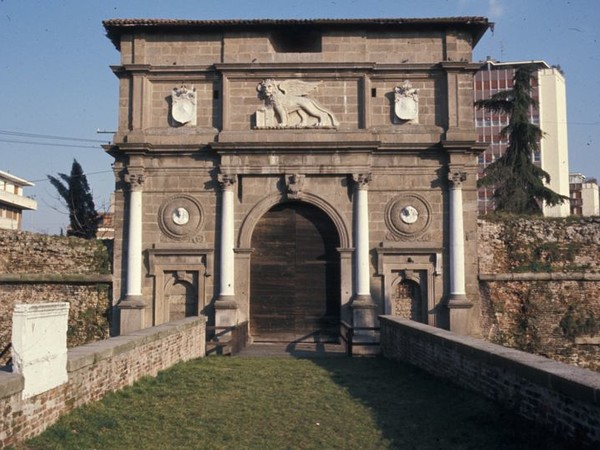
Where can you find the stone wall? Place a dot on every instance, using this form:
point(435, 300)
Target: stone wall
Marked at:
point(37, 268)
point(540, 286)
point(562, 398)
point(92, 373)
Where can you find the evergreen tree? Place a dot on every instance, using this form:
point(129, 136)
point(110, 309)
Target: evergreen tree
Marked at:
point(76, 194)
point(517, 182)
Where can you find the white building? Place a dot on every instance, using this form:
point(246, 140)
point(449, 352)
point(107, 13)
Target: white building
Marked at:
point(12, 201)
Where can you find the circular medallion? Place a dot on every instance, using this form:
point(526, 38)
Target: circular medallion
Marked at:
point(408, 215)
point(180, 217)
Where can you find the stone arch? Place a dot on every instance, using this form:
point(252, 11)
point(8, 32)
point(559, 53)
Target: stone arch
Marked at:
point(260, 209)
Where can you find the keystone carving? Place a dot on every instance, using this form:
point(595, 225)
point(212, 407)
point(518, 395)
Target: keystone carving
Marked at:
point(295, 183)
point(287, 105)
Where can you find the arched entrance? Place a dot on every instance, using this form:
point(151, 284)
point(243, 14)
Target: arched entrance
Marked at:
point(295, 275)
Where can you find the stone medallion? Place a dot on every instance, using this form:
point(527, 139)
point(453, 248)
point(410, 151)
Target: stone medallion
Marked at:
point(180, 217)
point(407, 216)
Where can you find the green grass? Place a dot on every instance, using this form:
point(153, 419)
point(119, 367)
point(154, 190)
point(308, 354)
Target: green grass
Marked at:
point(281, 403)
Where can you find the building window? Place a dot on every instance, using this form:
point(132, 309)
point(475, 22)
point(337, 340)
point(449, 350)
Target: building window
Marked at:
point(296, 40)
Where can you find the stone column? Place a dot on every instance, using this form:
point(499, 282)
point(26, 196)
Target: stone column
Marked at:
point(131, 307)
point(363, 307)
point(226, 306)
point(457, 301)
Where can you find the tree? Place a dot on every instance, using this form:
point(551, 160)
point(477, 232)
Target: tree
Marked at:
point(75, 191)
point(517, 182)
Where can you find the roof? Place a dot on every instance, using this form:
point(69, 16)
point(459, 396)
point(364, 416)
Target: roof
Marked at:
point(13, 179)
point(477, 26)
point(514, 64)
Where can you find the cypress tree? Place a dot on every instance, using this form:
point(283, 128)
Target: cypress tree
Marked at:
point(75, 192)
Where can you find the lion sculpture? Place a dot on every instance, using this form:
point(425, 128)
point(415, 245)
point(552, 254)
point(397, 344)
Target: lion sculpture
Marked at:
point(289, 97)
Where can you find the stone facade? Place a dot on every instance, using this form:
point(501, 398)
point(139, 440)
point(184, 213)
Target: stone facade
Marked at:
point(540, 286)
point(36, 268)
point(194, 180)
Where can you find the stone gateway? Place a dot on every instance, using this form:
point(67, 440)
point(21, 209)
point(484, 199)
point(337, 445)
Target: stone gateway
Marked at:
point(295, 175)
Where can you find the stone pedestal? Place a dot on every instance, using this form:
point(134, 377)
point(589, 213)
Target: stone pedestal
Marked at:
point(39, 345)
point(226, 311)
point(131, 314)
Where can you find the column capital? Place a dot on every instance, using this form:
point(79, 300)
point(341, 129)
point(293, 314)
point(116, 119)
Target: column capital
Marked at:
point(456, 177)
point(134, 177)
point(362, 180)
point(227, 181)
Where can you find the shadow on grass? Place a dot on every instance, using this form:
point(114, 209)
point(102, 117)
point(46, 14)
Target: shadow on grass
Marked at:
point(415, 410)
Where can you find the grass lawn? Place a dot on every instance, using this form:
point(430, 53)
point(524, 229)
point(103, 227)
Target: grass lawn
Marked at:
point(285, 403)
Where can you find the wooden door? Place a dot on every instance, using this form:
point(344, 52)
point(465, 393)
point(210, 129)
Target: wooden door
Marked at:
point(295, 275)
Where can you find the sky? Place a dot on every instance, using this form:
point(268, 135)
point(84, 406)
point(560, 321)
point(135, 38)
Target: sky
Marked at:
point(56, 81)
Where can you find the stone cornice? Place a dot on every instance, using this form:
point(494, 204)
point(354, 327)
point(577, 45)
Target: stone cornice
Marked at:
point(464, 146)
point(358, 68)
point(459, 66)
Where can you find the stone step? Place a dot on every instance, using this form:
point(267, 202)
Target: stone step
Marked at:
point(293, 350)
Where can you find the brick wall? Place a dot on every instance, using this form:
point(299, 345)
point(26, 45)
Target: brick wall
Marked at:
point(95, 370)
point(563, 398)
point(37, 268)
point(540, 286)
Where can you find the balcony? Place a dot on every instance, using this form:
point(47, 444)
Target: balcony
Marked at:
point(17, 201)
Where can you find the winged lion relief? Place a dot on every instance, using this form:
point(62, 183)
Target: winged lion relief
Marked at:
point(287, 105)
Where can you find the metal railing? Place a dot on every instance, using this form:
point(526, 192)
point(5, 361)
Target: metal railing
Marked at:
point(348, 332)
point(226, 340)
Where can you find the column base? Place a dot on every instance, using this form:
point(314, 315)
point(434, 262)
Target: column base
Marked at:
point(131, 314)
point(132, 302)
point(459, 301)
point(226, 311)
point(460, 313)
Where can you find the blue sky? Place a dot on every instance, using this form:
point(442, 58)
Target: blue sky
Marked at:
point(56, 79)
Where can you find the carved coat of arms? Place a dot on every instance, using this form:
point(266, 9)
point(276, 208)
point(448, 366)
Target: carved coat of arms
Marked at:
point(406, 105)
point(183, 107)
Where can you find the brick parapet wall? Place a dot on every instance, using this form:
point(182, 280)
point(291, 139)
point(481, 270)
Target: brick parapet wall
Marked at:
point(96, 369)
point(563, 398)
